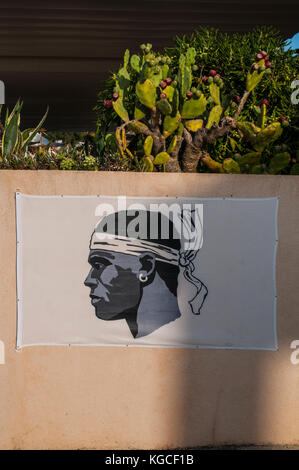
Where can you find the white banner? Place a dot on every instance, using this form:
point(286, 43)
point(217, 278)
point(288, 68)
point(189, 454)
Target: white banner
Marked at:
point(166, 272)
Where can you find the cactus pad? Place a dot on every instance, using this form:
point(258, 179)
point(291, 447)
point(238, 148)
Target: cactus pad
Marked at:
point(214, 116)
point(146, 93)
point(194, 124)
point(161, 158)
point(119, 108)
point(279, 162)
point(214, 166)
point(230, 166)
point(148, 145)
point(194, 108)
point(164, 107)
point(215, 92)
point(170, 124)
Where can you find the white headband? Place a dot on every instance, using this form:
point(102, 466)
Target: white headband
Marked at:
point(133, 246)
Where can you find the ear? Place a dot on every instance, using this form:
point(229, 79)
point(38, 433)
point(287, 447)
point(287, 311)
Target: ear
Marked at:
point(148, 263)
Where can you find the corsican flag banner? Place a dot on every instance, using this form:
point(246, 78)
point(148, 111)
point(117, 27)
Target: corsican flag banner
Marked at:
point(156, 272)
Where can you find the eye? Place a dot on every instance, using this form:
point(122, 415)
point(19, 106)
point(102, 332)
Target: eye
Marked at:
point(97, 265)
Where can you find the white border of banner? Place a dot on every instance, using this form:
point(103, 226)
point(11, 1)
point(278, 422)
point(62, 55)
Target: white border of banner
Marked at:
point(19, 271)
point(181, 346)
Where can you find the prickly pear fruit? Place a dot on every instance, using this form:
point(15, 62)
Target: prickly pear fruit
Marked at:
point(265, 102)
point(108, 104)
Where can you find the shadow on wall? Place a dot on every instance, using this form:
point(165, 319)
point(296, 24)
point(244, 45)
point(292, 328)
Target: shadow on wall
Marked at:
point(239, 397)
point(213, 397)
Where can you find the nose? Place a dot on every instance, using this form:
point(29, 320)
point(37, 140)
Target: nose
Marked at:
point(90, 281)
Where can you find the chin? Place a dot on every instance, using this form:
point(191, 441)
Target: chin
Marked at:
point(107, 315)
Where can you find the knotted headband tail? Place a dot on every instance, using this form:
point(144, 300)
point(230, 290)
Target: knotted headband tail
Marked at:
point(186, 261)
point(201, 290)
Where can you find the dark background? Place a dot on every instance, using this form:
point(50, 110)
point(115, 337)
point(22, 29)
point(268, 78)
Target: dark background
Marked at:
point(60, 52)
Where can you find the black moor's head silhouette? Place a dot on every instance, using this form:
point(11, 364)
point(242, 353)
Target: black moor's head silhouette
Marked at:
point(136, 279)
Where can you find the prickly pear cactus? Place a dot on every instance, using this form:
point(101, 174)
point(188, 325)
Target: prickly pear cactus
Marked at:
point(162, 104)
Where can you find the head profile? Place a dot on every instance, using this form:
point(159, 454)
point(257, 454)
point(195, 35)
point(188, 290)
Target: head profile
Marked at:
point(132, 278)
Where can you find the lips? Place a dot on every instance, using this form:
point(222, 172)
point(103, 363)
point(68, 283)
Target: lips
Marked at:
point(94, 299)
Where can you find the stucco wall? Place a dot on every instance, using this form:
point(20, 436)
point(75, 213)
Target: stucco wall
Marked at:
point(111, 398)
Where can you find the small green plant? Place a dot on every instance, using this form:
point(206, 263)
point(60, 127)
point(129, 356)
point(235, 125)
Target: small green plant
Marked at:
point(13, 140)
point(90, 163)
point(68, 163)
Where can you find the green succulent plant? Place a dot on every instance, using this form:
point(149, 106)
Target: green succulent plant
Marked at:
point(13, 139)
point(174, 112)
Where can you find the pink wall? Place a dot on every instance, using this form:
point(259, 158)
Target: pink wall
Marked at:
point(110, 398)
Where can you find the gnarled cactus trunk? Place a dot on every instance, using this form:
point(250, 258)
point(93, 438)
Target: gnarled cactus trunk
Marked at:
point(191, 157)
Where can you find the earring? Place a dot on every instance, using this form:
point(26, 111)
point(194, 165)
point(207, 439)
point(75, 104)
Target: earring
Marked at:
point(142, 278)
